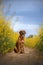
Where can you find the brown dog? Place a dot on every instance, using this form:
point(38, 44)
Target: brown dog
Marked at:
point(20, 42)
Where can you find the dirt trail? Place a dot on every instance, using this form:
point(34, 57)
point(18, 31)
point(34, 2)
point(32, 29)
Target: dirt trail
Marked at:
point(30, 57)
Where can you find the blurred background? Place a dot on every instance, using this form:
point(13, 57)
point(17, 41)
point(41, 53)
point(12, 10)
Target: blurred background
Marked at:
point(16, 15)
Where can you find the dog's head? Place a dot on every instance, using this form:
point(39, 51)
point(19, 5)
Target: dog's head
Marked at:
point(22, 33)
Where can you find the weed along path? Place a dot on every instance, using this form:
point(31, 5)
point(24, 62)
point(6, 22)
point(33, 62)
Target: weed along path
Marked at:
point(30, 57)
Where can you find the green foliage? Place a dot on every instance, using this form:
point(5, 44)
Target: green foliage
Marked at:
point(32, 41)
point(39, 45)
point(7, 37)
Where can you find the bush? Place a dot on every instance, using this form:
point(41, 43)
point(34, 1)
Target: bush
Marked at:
point(7, 37)
point(39, 45)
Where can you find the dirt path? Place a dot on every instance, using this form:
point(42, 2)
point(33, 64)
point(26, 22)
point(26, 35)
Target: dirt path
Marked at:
point(30, 57)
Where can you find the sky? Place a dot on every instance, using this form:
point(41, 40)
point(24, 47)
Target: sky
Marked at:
point(24, 14)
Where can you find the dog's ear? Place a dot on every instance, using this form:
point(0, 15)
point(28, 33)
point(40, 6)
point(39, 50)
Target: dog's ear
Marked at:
point(24, 32)
point(20, 32)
